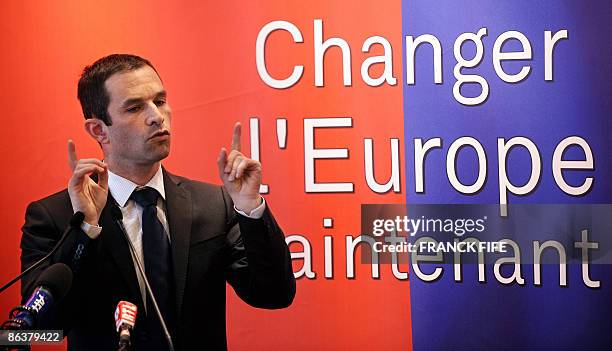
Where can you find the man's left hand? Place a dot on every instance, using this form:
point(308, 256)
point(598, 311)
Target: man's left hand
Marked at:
point(240, 175)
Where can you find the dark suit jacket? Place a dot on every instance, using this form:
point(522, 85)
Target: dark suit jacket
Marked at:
point(211, 244)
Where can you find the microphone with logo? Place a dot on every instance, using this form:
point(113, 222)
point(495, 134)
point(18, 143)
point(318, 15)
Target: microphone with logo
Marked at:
point(125, 318)
point(51, 287)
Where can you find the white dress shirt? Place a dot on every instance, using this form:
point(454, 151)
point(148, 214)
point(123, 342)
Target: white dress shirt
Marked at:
point(121, 189)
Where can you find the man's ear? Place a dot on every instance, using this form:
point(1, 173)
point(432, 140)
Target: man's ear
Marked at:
point(97, 129)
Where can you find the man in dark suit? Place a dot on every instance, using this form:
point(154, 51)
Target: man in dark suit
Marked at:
point(191, 237)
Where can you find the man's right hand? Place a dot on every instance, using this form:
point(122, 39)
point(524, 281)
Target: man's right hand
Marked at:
point(86, 195)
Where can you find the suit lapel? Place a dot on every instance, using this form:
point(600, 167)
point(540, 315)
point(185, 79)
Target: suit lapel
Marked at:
point(115, 242)
point(179, 215)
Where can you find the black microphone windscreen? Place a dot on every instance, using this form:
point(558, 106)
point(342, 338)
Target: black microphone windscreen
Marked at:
point(58, 279)
point(77, 219)
point(116, 213)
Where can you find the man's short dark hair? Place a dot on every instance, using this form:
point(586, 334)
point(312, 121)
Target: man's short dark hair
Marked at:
point(91, 89)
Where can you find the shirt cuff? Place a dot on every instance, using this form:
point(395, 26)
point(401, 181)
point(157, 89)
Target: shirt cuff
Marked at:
point(256, 213)
point(92, 231)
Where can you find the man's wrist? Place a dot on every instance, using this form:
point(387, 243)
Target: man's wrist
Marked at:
point(91, 221)
point(92, 230)
point(247, 206)
point(255, 213)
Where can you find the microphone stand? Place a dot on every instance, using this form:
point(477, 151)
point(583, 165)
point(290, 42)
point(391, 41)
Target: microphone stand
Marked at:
point(75, 222)
point(118, 217)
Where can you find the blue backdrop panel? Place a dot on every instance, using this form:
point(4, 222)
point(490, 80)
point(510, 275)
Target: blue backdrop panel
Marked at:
point(468, 315)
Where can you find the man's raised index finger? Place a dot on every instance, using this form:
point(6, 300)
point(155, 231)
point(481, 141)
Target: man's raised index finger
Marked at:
point(236, 144)
point(72, 156)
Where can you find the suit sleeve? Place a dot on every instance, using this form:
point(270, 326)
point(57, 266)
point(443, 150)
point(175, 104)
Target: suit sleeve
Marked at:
point(40, 234)
point(259, 262)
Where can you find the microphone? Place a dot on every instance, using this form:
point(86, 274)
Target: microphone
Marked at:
point(52, 286)
point(125, 318)
point(118, 217)
point(75, 222)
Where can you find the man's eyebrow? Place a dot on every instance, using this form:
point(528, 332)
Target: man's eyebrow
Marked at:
point(134, 101)
point(130, 102)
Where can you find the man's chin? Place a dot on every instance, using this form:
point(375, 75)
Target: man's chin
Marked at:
point(160, 152)
point(164, 155)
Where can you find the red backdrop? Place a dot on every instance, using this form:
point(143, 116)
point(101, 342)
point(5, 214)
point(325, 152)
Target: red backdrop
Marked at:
point(205, 53)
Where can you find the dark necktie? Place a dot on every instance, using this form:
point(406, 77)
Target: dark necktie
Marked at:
point(158, 266)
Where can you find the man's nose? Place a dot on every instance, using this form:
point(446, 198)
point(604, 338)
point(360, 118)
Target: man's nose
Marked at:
point(155, 116)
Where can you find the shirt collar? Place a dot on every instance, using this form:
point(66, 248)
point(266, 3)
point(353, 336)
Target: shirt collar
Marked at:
point(121, 189)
